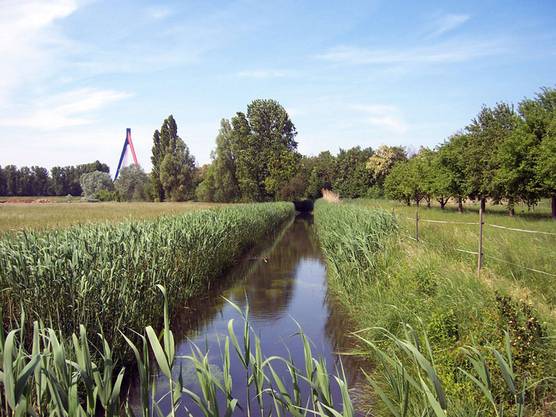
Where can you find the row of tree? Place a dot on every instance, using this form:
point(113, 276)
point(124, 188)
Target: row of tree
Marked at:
point(505, 154)
point(38, 181)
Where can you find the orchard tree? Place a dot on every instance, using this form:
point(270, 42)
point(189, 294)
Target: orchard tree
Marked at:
point(539, 115)
point(452, 160)
point(486, 133)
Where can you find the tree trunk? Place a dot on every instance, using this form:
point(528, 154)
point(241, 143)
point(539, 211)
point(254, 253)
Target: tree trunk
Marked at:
point(554, 206)
point(511, 207)
point(408, 202)
point(460, 204)
point(483, 204)
point(428, 202)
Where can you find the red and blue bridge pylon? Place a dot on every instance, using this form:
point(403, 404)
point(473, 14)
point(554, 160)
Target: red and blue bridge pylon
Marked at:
point(128, 147)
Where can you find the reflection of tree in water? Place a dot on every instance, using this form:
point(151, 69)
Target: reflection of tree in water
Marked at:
point(271, 284)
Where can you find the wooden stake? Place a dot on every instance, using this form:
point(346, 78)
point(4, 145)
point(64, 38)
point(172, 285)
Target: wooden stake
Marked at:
point(480, 255)
point(417, 223)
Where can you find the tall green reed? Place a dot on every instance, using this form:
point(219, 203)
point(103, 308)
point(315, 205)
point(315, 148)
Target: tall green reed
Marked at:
point(103, 276)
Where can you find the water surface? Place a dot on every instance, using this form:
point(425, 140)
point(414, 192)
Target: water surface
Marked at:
point(284, 283)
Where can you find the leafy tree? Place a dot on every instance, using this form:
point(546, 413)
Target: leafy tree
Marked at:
point(397, 185)
point(353, 179)
point(546, 168)
point(132, 183)
point(173, 166)
point(223, 170)
point(486, 133)
point(451, 158)
point(539, 115)
point(11, 174)
point(41, 181)
point(264, 150)
point(323, 174)
point(3, 184)
point(156, 159)
point(93, 182)
point(516, 177)
point(383, 160)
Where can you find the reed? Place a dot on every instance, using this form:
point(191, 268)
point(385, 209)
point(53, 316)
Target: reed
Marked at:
point(61, 378)
point(104, 276)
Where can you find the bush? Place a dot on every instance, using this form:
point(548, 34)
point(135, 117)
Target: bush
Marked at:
point(93, 182)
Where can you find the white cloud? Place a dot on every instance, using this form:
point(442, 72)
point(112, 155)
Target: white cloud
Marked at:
point(264, 73)
point(67, 109)
point(448, 52)
point(29, 40)
point(383, 117)
point(158, 12)
point(446, 23)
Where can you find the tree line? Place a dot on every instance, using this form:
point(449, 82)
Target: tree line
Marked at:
point(506, 154)
point(38, 181)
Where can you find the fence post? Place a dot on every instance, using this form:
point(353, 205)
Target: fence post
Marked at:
point(417, 223)
point(480, 255)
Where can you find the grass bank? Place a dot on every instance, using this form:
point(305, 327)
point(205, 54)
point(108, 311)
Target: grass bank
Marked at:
point(63, 213)
point(104, 276)
point(388, 282)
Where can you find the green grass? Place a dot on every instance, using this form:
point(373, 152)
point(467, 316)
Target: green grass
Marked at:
point(388, 281)
point(103, 275)
point(59, 213)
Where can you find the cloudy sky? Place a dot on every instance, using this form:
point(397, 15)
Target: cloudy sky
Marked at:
point(75, 74)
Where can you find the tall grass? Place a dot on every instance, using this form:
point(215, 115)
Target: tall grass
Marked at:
point(103, 276)
point(58, 378)
point(387, 281)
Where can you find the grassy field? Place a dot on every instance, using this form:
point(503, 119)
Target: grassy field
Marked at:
point(388, 281)
point(18, 216)
point(507, 252)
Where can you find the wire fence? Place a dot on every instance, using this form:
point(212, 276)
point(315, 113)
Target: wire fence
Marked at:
point(480, 253)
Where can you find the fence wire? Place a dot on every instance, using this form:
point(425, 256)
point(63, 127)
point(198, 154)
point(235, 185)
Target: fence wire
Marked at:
point(419, 220)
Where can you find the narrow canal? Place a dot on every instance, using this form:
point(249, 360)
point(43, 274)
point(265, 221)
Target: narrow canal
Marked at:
point(283, 281)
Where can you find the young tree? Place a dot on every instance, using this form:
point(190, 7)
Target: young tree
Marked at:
point(132, 183)
point(94, 182)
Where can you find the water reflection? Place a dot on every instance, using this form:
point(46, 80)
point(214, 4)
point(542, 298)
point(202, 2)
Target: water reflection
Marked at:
point(282, 280)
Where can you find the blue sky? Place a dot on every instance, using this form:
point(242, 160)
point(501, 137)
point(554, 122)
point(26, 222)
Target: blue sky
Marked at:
point(75, 74)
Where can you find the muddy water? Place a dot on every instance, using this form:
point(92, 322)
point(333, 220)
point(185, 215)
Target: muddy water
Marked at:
point(281, 280)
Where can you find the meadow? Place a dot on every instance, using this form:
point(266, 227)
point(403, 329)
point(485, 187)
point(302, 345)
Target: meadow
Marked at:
point(63, 212)
point(408, 297)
